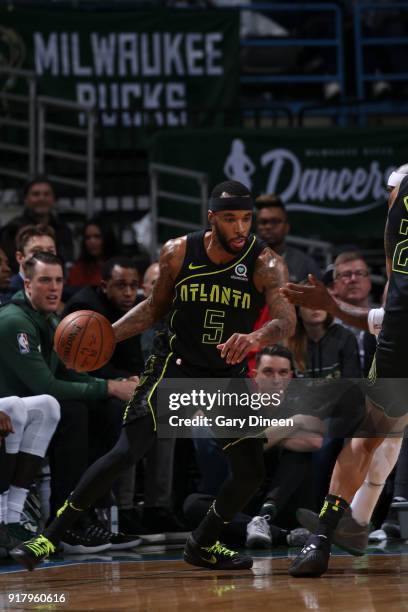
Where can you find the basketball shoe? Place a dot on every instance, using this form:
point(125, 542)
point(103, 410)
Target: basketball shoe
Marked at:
point(313, 559)
point(33, 552)
point(216, 557)
point(349, 535)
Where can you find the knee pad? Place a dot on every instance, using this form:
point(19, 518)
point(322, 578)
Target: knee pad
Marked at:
point(16, 410)
point(51, 408)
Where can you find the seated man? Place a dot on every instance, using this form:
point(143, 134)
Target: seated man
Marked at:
point(289, 465)
point(30, 423)
point(30, 366)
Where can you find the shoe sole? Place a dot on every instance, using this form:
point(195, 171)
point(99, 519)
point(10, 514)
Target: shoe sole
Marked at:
point(310, 522)
point(216, 566)
point(22, 559)
point(80, 549)
point(299, 573)
point(127, 545)
point(168, 536)
point(258, 542)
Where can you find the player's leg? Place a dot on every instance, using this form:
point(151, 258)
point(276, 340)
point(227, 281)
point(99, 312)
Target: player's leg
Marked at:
point(352, 530)
point(348, 475)
point(383, 461)
point(246, 475)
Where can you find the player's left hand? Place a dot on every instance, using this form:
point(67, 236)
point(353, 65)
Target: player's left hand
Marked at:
point(6, 426)
point(236, 348)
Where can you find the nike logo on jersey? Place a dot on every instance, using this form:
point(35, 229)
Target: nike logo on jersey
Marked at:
point(193, 267)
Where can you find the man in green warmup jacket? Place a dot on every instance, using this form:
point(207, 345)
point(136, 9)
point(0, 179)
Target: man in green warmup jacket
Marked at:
point(29, 366)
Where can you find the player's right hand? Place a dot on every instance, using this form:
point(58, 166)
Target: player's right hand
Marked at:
point(313, 295)
point(6, 425)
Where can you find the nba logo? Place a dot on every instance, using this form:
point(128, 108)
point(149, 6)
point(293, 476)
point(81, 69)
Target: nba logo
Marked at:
point(23, 344)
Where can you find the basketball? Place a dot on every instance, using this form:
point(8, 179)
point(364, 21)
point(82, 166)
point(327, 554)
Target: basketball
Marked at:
point(84, 340)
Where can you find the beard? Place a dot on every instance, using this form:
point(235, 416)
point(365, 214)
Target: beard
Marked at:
point(225, 244)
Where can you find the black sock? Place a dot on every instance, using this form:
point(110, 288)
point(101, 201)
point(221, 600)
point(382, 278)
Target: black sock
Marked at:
point(209, 529)
point(330, 515)
point(66, 517)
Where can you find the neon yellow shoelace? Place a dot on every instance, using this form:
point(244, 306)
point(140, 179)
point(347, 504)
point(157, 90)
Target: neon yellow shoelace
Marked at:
point(40, 546)
point(221, 550)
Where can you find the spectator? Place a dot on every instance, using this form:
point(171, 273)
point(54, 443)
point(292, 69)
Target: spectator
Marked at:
point(272, 226)
point(115, 296)
point(274, 371)
point(323, 349)
point(30, 367)
point(288, 459)
point(39, 207)
point(352, 284)
point(5, 291)
point(30, 240)
point(33, 421)
point(98, 245)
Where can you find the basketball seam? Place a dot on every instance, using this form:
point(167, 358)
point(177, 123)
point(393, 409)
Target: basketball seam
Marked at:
point(79, 341)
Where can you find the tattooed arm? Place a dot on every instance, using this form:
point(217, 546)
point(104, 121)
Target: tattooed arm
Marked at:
point(158, 304)
point(270, 274)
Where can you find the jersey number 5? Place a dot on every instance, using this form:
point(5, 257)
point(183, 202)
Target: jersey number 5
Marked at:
point(213, 321)
point(400, 257)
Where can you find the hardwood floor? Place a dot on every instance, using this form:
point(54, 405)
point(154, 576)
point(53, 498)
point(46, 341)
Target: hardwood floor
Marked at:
point(157, 581)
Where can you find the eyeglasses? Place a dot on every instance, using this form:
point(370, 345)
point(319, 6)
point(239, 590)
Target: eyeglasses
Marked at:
point(270, 221)
point(346, 276)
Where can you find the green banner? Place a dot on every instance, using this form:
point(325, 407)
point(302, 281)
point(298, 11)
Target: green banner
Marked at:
point(332, 181)
point(140, 68)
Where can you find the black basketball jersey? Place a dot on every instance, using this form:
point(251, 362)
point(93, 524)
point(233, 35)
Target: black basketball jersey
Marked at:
point(397, 238)
point(212, 302)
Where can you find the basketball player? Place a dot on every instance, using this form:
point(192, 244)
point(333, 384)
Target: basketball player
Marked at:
point(385, 409)
point(214, 282)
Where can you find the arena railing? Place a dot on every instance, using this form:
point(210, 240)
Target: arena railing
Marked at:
point(85, 160)
point(199, 203)
point(284, 42)
point(25, 125)
point(364, 42)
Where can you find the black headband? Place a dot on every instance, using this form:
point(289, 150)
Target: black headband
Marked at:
point(231, 203)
